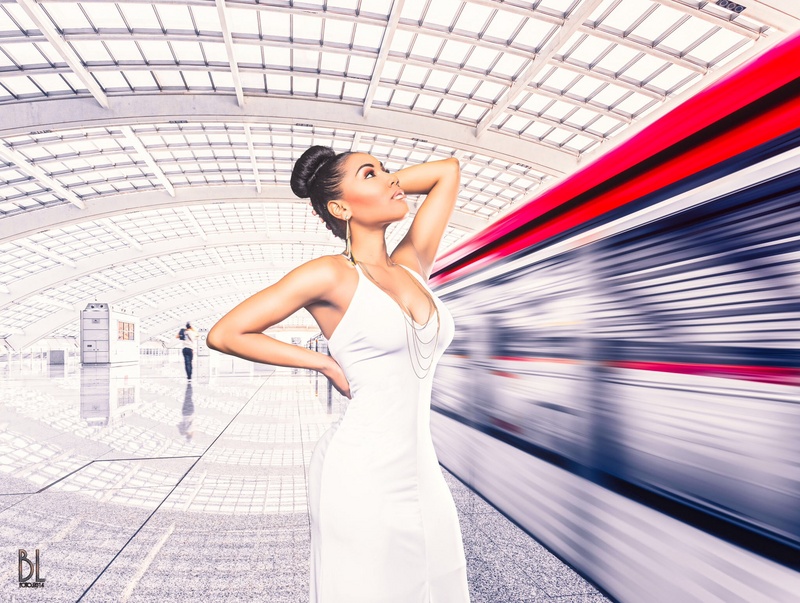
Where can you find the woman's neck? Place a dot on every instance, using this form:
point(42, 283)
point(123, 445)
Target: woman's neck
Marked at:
point(369, 247)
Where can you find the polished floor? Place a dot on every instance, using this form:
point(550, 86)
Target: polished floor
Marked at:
point(135, 485)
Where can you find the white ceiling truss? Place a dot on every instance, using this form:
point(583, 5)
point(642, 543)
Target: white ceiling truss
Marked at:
point(146, 146)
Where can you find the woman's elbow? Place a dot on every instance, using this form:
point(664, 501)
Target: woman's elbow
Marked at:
point(455, 163)
point(214, 340)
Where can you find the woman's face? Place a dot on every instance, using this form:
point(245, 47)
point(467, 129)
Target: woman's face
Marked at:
point(372, 193)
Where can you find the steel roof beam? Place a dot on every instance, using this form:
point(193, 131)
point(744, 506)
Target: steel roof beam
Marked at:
point(533, 89)
point(782, 15)
point(710, 18)
point(529, 115)
point(42, 21)
point(541, 60)
point(522, 11)
point(159, 108)
point(163, 265)
point(145, 156)
point(103, 279)
point(253, 162)
point(234, 67)
point(563, 64)
point(640, 47)
point(383, 53)
point(27, 223)
point(192, 220)
point(36, 249)
point(18, 160)
point(110, 225)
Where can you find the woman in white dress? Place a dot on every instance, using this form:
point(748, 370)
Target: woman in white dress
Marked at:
point(384, 527)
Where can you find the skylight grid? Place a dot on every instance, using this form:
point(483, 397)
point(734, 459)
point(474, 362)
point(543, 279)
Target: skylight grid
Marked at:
point(485, 185)
point(663, 31)
point(744, 21)
point(475, 163)
point(134, 272)
point(18, 262)
point(450, 59)
point(153, 317)
point(409, 80)
point(252, 254)
point(229, 218)
point(396, 153)
point(192, 259)
point(22, 194)
point(73, 292)
point(502, 30)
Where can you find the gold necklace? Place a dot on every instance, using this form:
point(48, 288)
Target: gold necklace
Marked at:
point(415, 339)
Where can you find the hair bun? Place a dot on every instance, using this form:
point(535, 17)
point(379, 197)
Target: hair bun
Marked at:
point(305, 168)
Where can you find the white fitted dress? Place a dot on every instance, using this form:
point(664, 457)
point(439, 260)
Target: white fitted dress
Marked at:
point(384, 527)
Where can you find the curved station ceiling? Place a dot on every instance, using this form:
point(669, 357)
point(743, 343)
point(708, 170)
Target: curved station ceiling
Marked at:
point(146, 148)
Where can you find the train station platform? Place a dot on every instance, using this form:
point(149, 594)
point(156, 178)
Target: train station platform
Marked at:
point(134, 485)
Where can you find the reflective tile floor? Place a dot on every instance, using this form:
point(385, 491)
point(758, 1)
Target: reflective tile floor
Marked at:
point(136, 486)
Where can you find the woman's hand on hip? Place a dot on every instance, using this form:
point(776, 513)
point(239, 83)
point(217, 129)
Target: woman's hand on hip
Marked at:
point(336, 376)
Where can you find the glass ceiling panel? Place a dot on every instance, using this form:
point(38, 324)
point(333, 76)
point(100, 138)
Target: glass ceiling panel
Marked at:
point(451, 59)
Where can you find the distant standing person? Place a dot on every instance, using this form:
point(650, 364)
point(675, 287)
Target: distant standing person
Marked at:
point(189, 337)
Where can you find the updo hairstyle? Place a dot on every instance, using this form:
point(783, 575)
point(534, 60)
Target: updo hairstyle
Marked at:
point(318, 174)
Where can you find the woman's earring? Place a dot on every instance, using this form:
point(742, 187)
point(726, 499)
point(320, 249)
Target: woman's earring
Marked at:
point(347, 250)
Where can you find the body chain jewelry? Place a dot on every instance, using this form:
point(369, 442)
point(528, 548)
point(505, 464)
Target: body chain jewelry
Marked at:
point(414, 340)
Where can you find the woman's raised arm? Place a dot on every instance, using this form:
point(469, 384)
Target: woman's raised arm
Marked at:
point(439, 180)
point(240, 331)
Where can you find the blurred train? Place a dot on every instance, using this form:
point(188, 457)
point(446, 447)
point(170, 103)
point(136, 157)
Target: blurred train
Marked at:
point(625, 379)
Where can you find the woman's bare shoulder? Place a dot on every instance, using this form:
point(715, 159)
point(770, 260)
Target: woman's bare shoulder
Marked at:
point(322, 274)
point(330, 266)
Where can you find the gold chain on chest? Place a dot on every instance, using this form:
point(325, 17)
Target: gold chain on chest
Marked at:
point(413, 333)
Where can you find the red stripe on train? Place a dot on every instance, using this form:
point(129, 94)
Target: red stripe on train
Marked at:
point(761, 129)
point(763, 374)
point(751, 81)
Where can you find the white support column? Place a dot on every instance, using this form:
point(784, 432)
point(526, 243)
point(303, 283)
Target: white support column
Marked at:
point(383, 54)
point(573, 24)
point(356, 142)
point(34, 11)
point(145, 156)
point(18, 160)
point(249, 135)
point(226, 35)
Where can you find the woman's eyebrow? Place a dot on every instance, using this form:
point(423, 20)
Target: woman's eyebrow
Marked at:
point(365, 165)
